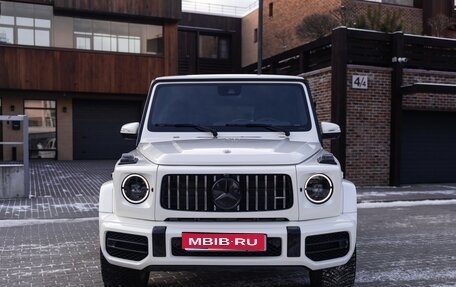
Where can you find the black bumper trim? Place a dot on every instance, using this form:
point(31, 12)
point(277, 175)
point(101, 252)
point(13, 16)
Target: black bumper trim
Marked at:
point(293, 241)
point(159, 241)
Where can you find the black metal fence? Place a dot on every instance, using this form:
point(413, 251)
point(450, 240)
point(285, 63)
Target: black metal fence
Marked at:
point(364, 48)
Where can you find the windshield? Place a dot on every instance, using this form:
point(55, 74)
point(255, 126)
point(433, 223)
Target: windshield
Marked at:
point(229, 107)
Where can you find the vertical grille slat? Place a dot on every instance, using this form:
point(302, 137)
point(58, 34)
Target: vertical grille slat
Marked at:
point(169, 191)
point(178, 193)
point(256, 192)
point(284, 194)
point(239, 180)
point(266, 192)
point(247, 203)
point(275, 191)
point(186, 193)
point(205, 193)
point(196, 192)
point(259, 192)
point(215, 179)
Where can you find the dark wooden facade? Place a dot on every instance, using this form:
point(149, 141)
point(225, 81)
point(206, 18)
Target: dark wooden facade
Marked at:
point(164, 9)
point(64, 70)
point(191, 27)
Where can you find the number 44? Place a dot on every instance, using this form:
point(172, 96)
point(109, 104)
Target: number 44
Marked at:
point(359, 82)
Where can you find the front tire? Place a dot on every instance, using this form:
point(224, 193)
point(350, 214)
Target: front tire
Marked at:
point(116, 276)
point(340, 276)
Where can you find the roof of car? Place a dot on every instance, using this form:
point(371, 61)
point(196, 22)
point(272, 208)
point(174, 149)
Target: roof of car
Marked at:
point(229, 77)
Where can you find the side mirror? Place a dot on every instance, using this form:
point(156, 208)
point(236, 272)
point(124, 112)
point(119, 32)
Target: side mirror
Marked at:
point(129, 131)
point(329, 130)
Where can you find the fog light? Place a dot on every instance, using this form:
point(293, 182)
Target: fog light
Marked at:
point(135, 188)
point(319, 188)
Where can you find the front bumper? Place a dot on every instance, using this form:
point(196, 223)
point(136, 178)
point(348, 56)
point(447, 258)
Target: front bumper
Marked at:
point(292, 234)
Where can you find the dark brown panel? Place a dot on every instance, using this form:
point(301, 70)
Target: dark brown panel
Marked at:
point(31, 68)
point(221, 23)
point(166, 9)
point(170, 44)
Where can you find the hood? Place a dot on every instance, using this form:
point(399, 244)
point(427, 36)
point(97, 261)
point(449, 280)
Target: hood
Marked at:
point(228, 152)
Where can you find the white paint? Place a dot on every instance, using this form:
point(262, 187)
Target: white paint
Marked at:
point(406, 203)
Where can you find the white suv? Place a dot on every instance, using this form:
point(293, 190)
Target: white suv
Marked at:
point(229, 170)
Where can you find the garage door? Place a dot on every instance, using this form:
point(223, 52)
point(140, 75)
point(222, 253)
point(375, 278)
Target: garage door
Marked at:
point(428, 147)
point(96, 126)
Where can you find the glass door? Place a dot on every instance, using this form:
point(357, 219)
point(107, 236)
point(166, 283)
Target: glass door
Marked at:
point(42, 128)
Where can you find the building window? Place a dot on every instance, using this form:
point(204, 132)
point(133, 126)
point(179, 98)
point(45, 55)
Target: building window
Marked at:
point(255, 35)
point(35, 25)
point(42, 128)
point(117, 36)
point(213, 47)
point(25, 24)
point(271, 9)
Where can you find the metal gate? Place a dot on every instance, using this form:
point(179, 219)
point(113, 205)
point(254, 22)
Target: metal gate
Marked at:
point(96, 128)
point(428, 149)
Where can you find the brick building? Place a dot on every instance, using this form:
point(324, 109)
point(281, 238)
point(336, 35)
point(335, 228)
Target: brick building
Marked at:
point(393, 94)
point(282, 17)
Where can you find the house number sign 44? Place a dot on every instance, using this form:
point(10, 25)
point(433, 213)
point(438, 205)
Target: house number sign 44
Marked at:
point(360, 82)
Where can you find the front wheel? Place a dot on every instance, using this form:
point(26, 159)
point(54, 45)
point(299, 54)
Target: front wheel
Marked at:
point(340, 276)
point(116, 276)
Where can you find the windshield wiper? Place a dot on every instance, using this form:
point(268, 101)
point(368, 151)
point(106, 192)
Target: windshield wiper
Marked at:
point(266, 126)
point(197, 127)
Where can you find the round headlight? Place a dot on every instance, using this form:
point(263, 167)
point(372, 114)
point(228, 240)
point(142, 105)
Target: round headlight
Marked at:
point(135, 188)
point(319, 188)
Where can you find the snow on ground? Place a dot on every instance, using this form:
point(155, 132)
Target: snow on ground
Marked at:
point(78, 206)
point(404, 193)
point(406, 275)
point(43, 207)
point(405, 203)
point(27, 222)
point(47, 272)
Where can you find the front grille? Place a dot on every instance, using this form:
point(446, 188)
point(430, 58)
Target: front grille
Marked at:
point(126, 246)
point(259, 192)
point(273, 248)
point(327, 246)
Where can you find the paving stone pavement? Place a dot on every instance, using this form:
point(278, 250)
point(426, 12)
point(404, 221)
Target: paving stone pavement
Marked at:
point(60, 189)
point(52, 239)
point(46, 253)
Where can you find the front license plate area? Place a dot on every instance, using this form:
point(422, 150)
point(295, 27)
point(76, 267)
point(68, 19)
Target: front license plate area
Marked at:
point(224, 241)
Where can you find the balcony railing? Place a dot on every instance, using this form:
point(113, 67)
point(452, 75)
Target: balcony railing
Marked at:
point(205, 7)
